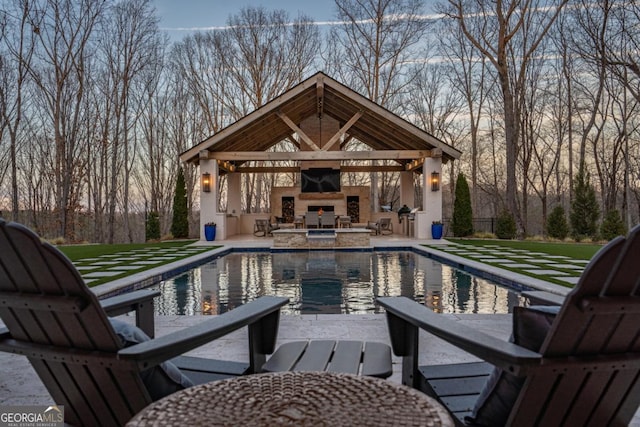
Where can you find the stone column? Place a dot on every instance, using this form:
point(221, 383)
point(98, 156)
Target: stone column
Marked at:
point(209, 201)
point(234, 193)
point(431, 200)
point(407, 190)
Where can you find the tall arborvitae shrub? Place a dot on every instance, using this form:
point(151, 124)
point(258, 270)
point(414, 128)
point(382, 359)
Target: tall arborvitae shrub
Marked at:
point(152, 228)
point(612, 225)
point(584, 208)
point(462, 222)
point(180, 220)
point(506, 225)
point(557, 226)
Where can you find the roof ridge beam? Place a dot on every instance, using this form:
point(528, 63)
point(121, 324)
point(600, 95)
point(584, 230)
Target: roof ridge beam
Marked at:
point(320, 96)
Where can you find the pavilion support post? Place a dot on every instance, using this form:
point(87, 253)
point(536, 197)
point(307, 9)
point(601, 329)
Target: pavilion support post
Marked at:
point(209, 200)
point(234, 194)
point(407, 189)
point(432, 200)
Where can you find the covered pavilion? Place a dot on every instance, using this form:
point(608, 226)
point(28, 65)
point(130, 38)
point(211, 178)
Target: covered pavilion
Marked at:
point(319, 116)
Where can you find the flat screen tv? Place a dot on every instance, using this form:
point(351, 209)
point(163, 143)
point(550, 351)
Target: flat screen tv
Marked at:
point(320, 180)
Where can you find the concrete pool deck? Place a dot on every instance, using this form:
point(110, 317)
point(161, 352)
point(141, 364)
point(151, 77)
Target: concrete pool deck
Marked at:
point(20, 385)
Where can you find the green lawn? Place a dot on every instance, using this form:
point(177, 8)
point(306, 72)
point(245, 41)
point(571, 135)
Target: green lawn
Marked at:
point(573, 250)
point(75, 252)
point(125, 256)
point(577, 251)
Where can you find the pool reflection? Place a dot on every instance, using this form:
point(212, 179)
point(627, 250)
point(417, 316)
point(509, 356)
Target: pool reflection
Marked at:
point(327, 282)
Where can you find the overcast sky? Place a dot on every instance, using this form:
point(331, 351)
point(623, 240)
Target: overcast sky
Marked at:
point(180, 17)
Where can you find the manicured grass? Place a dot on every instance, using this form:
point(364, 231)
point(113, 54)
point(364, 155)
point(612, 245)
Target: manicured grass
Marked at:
point(572, 250)
point(75, 252)
point(577, 251)
point(84, 256)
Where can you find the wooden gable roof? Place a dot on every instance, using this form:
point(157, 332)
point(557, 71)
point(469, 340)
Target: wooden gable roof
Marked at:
point(388, 135)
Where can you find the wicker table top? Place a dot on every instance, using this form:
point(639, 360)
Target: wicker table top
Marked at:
point(296, 399)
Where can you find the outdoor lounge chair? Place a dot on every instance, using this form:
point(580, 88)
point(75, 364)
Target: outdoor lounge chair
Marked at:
point(311, 220)
point(82, 356)
point(385, 226)
point(382, 226)
point(263, 228)
point(575, 365)
point(328, 220)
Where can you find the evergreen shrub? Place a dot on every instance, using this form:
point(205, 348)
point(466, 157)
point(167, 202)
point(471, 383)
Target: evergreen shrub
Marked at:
point(506, 225)
point(152, 229)
point(612, 225)
point(462, 221)
point(557, 226)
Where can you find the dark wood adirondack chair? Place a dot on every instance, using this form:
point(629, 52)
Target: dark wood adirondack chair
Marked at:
point(585, 370)
point(54, 320)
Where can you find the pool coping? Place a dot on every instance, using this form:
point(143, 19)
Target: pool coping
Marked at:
point(518, 282)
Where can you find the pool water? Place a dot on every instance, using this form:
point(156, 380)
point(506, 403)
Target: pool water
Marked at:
point(328, 282)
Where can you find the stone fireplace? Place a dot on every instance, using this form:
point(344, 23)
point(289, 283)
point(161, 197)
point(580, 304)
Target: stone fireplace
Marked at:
point(288, 200)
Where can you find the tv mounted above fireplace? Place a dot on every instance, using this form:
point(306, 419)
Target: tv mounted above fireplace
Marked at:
point(320, 180)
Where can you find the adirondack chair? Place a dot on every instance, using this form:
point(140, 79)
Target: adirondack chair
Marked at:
point(578, 367)
point(55, 320)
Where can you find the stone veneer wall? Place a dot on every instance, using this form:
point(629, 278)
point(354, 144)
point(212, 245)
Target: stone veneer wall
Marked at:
point(343, 239)
point(320, 130)
point(337, 200)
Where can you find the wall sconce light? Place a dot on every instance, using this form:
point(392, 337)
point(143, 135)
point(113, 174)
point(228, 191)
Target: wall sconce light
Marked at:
point(206, 182)
point(435, 181)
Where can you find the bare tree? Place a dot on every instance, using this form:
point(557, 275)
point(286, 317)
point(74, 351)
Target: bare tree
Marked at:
point(621, 35)
point(129, 40)
point(197, 63)
point(543, 129)
point(609, 151)
point(234, 71)
point(184, 123)
point(468, 75)
point(588, 39)
point(378, 39)
point(65, 47)
point(370, 53)
point(500, 30)
point(618, 42)
point(266, 53)
point(156, 160)
point(434, 105)
point(567, 70)
point(19, 40)
point(5, 87)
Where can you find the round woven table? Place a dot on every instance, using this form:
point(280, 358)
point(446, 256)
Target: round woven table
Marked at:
point(296, 399)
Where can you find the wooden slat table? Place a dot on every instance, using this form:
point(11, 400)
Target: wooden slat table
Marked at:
point(351, 357)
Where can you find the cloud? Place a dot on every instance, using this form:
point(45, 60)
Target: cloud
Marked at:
point(399, 17)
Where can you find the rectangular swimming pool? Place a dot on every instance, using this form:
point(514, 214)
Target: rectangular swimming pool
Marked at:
point(330, 282)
